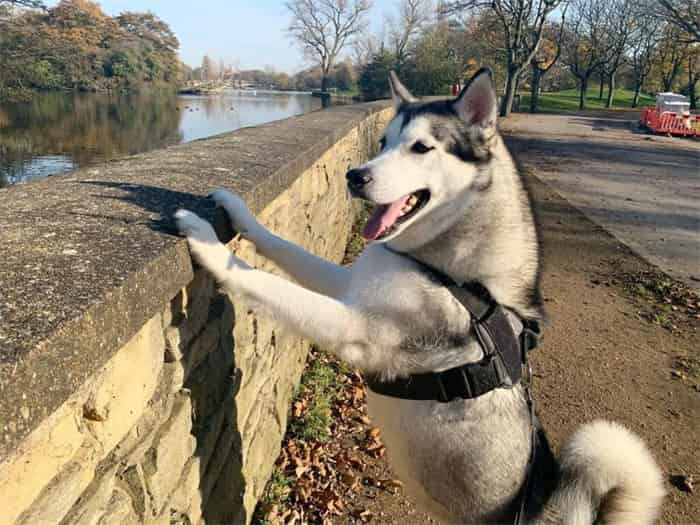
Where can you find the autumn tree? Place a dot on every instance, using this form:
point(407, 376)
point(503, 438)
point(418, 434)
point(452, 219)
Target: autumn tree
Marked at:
point(75, 45)
point(323, 28)
point(523, 25)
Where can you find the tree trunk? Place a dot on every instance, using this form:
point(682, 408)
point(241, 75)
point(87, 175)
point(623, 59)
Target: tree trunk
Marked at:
point(692, 95)
point(325, 96)
point(509, 95)
point(602, 82)
point(637, 89)
point(583, 87)
point(611, 90)
point(692, 81)
point(535, 88)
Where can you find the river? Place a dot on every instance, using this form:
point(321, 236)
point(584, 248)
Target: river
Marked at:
point(57, 132)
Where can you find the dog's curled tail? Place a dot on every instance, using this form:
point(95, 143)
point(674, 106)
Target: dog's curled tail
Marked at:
point(610, 476)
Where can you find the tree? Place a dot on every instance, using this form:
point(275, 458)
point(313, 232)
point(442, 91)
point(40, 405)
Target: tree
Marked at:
point(670, 56)
point(434, 64)
point(644, 41)
point(619, 22)
point(684, 14)
point(374, 78)
point(323, 28)
point(585, 43)
point(32, 4)
point(412, 17)
point(547, 55)
point(523, 24)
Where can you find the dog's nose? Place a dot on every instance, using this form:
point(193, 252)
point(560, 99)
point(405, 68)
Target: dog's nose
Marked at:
point(358, 177)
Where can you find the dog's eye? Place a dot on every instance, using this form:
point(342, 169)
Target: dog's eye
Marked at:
point(382, 143)
point(420, 148)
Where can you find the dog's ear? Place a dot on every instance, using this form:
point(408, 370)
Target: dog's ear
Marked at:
point(399, 94)
point(477, 103)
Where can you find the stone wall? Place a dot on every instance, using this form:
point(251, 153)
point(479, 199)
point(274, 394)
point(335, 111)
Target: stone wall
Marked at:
point(178, 420)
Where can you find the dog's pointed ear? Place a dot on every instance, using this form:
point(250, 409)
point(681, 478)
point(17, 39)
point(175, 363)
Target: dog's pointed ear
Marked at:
point(477, 103)
point(399, 94)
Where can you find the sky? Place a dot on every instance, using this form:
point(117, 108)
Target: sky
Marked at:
point(249, 32)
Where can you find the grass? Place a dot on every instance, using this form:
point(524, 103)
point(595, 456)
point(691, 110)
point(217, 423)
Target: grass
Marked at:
point(319, 387)
point(567, 100)
point(276, 493)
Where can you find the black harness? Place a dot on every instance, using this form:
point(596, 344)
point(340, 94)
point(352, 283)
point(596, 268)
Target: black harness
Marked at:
point(505, 354)
point(504, 365)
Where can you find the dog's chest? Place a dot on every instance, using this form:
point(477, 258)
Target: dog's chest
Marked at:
point(393, 286)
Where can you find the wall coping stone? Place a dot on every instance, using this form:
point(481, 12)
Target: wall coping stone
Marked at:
point(88, 257)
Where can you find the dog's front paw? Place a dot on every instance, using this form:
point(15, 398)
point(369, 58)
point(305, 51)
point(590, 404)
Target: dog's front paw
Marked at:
point(204, 244)
point(242, 220)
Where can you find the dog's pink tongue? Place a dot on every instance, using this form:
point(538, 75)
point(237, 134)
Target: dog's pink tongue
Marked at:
point(383, 217)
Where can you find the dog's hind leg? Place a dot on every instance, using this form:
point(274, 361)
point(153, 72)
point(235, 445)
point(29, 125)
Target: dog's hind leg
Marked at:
point(318, 317)
point(307, 269)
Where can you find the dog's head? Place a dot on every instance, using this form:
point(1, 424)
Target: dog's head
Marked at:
point(432, 165)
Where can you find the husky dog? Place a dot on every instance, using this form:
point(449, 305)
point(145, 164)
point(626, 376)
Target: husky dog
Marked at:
point(449, 202)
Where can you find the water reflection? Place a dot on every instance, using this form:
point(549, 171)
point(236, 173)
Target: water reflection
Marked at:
point(56, 132)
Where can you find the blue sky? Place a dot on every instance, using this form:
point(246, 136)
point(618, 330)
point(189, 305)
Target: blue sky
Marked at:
point(251, 32)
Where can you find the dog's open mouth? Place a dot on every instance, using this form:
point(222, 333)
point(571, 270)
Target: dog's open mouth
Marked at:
point(388, 217)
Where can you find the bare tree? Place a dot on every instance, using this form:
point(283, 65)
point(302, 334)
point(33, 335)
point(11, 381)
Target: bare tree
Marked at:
point(365, 46)
point(547, 55)
point(620, 24)
point(412, 17)
point(644, 41)
point(685, 14)
point(523, 23)
point(670, 56)
point(324, 27)
point(33, 4)
point(585, 43)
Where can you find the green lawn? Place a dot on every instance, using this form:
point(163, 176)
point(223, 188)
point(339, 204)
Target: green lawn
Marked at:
point(568, 100)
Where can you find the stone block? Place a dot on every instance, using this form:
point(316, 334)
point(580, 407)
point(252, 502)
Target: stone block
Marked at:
point(63, 492)
point(185, 505)
point(93, 503)
point(119, 510)
point(38, 460)
point(172, 447)
point(133, 483)
point(125, 386)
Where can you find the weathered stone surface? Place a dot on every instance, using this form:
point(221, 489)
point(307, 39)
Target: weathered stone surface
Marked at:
point(119, 510)
point(56, 499)
point(174, 445)
point(126, 385)
point(92, 504)
point(52, 446)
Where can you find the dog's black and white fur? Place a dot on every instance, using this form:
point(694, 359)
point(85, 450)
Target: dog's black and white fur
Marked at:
point(448, 195)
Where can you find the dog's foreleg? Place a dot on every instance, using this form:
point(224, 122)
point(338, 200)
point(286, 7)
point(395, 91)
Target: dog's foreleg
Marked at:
point(307, 269)
point(315, 316)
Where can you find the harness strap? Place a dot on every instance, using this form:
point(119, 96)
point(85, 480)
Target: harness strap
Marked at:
point(502, 346)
